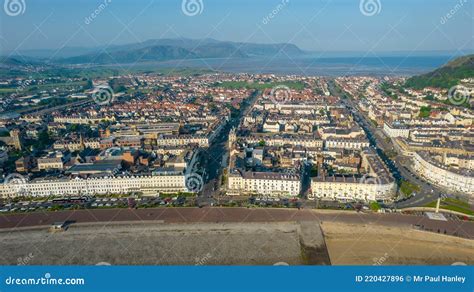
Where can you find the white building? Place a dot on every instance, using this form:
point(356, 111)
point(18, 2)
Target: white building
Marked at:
point(147, 184)
point(350, 188)
point(458, 180)
point(49, 163)
point(296, 140)
point(394, 131)
point(379, 185)
point(347, 143)
point(83, 120)
point(264, 183)
point(271, 127)
point(182, 140)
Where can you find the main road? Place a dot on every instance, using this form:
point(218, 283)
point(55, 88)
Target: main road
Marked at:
point(214, 159)
point(398, 166)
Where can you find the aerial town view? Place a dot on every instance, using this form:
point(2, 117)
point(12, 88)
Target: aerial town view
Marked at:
point(198, 140)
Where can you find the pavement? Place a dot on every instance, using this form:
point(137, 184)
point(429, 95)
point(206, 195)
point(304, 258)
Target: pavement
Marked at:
point(155, 244)
point(236, 215)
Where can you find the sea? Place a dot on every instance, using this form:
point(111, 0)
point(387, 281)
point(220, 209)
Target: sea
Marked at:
point(317, 66)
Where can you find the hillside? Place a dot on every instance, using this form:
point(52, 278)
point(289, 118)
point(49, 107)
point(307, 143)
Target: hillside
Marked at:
point(174, 49)
point(446, 76)
point(10, 62)
point(154, 53)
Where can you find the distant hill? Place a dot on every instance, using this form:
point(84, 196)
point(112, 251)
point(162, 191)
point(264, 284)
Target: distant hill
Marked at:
point(9, 61)
point(446, 76)
point(154, 53)
point(174, 49)
point(16, 62)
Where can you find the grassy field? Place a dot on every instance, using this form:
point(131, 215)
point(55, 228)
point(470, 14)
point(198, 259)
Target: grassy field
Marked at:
point(374, 206)
point(453, 205)
point(7, 90)
point(102, 72)
point(33, 89)
point(407, 188)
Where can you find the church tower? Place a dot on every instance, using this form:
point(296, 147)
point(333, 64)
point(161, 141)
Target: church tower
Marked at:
point(232, 137)
point(15, 138)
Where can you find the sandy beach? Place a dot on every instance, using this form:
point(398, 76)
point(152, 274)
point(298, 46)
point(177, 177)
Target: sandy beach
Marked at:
point(372, 244)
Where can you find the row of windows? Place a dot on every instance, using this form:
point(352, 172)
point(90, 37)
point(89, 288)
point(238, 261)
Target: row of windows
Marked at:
point(97, 187)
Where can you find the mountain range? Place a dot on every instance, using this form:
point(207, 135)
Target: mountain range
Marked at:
point(163, 50)
point(156, 50)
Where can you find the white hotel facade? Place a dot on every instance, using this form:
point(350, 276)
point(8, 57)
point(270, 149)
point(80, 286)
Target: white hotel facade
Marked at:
point(376, 184)
point(264, 183)
point(352, 188)
point(147, 184)
point(462, 182)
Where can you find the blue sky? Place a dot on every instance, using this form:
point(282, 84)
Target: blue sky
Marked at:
point(318, 25)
